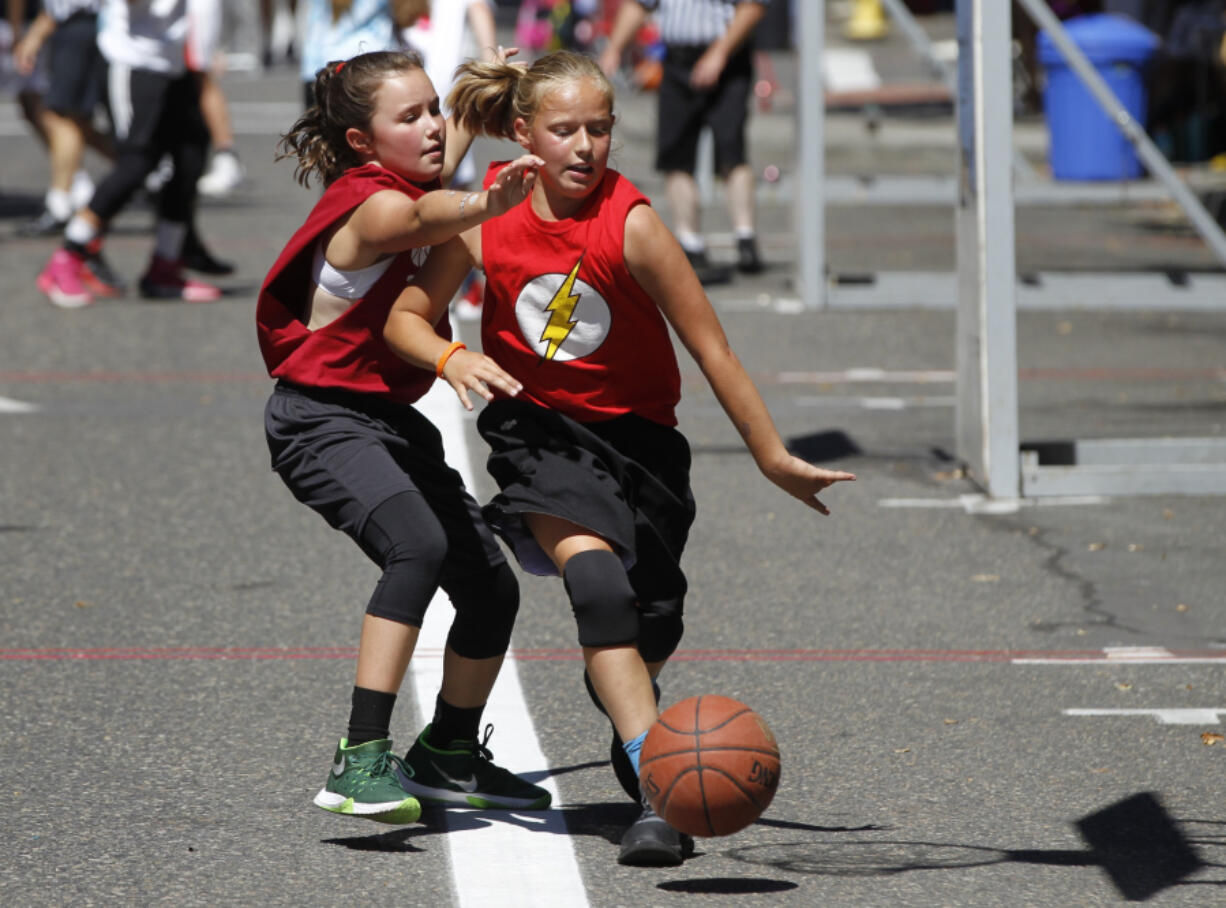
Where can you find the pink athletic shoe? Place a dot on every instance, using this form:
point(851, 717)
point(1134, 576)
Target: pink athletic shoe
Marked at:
point(61, 281)
point(165, 281)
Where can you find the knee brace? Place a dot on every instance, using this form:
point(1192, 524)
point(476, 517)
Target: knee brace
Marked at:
point(604, 603)
point(485, 609)
point(660, 629)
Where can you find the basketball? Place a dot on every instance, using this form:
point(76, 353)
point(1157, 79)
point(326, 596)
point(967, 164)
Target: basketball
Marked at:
point(709, 765)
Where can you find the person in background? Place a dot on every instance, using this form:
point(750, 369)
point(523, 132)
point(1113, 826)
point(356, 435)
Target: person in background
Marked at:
point(65, 31)
point(707, 82)
point(155, 110)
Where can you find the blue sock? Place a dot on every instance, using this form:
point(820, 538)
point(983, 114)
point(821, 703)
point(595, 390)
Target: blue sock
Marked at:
point(632, 749)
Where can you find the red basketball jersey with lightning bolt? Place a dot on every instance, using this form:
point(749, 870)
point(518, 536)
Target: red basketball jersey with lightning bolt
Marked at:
point(564, 315)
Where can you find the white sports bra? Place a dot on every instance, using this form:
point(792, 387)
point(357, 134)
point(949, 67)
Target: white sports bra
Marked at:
point(336, 289)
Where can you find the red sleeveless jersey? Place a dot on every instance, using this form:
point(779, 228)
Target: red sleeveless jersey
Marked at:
point(348, 353)
point(565, 317)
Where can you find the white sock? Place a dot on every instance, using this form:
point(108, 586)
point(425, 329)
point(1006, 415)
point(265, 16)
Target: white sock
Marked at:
point(80, 231)
point(59, 203)
point(691, 242)
point(168, 240)
point(82, 189)
point(745, 233)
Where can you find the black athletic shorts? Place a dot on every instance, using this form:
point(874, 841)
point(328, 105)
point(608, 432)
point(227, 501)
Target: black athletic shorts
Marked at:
point(626, 479)
point(344, 454)
point(77, 73)
point(682, 112)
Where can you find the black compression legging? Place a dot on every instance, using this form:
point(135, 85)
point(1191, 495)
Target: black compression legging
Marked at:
point(405, 538)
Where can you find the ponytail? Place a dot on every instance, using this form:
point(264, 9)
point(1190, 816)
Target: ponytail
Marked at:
point(488, 98)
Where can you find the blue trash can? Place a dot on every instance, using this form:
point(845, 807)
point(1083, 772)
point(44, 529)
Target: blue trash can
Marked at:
point(1085, 143)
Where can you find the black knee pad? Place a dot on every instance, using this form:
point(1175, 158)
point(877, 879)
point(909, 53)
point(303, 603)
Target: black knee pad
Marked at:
point(404, 537)
point(485, 609)
point(660, 629)
point(605, 607)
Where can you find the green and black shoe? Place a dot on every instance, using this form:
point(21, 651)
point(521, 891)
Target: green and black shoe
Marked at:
point(363, 783)
point(464, 774)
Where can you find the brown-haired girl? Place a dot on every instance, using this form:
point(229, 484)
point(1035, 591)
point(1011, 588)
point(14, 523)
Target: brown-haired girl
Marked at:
point(347, 441)
point(583, 280)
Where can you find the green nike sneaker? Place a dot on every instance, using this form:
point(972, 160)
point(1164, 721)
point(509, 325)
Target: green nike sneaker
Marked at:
point(363, 783)
point(464, 774)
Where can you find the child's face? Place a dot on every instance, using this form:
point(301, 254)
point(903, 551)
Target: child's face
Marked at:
point(407, 132)
point(572, 131)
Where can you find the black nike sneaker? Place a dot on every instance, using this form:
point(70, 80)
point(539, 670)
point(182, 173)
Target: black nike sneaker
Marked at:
point(464, 774)
point(650, 842)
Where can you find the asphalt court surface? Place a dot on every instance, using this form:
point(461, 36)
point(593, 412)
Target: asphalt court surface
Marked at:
point(973, 709)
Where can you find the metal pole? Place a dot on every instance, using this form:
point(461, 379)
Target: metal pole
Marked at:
point(1146, 150)
point(987, 406)
point(809, 207)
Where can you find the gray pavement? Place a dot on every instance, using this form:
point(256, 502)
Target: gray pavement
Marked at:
point(177, 633)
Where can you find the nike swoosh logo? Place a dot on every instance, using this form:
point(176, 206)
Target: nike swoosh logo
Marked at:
point(338, 768)
point(469, 784)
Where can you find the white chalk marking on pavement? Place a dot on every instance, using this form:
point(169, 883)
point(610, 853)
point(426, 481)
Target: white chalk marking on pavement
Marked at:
point(875, 403)
point(1164, 716)
point(8, 405)
point(867, 374)
point(974, 503)
point(518, 859)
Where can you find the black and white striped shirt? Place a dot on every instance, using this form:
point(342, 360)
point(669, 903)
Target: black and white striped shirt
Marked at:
point(692, 21)
point(62, 10)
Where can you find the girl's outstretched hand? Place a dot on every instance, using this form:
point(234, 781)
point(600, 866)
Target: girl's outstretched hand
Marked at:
point(513, 183)
point(803, 480)
point(467, 371)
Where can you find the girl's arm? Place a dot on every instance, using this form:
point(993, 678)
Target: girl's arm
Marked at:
point(657, 262)
point(390, 221)
point(410, 333)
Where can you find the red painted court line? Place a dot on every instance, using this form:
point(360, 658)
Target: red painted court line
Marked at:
point(277, 653)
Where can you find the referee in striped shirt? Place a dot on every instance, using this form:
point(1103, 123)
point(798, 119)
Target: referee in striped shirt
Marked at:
point(707, 78)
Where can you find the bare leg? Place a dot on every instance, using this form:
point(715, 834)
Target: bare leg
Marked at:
point(618, 673)
point(467, 682)
point(65, 146)
point(682, 193)
point(384, 653)
point(741, 198)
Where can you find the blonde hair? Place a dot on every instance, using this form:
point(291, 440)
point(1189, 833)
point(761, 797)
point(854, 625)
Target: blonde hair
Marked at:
point(487, 98)
point(344, 99)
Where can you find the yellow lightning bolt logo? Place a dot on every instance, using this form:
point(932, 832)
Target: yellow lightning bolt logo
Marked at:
point(561, 309)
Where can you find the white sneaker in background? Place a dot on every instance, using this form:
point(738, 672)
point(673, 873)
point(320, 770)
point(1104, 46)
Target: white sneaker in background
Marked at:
point(225, 174)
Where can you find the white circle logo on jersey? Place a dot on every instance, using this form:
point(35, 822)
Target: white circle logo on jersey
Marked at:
point(561, 317)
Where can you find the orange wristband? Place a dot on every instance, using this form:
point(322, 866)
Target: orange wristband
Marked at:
point(442, 360)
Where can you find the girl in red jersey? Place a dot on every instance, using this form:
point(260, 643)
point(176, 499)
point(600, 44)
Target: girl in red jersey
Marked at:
point(583, 280)
point(347, 441)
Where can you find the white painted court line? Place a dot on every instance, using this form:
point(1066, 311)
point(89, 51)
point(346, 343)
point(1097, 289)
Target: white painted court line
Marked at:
point(8, 405)
point(1128, 655)
point(526, 859)
point(1164, 716)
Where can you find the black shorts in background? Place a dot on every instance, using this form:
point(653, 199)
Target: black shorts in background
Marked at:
point(682, 112)
point(77, 72)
